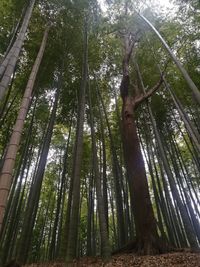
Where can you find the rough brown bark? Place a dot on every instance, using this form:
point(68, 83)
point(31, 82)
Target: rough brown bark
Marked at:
point(147, 239)
point(146, 230)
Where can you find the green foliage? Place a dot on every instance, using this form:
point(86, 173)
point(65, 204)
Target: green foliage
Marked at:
point(62, 64)
point(10, 12)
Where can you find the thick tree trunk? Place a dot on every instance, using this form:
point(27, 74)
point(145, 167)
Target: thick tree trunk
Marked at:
point(9, 161)
point(146, 230)
point(147, 239)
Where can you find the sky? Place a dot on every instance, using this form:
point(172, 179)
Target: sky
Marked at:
point(165, 3)
point(165, 6)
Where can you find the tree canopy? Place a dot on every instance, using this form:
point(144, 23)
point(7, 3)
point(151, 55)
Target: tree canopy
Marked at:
point(99, 128)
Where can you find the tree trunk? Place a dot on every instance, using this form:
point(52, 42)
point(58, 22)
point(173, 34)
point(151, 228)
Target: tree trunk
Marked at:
point(8, 65)
point(105, 246)
point(65, 180)
point(104, 174)
point(146, 231)
point(186, 76)
point(147, 239)
point(33, 201)
point(117, 176)
point(78, 149)
point(14, 33)
point(9, 161)
point(188, 124)
point(186, 221)
point(89, 215)
point(11, 218)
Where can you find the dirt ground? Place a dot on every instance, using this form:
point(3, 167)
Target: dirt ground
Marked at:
point(182, 259)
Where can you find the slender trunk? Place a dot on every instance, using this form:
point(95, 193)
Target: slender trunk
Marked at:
point(3, 107)
point(9, 160)
point(16, 222)
point(176, 223)
point(155, 190)
point(162, 204)
point(34, 195)
point(8, 65)
point(188, 124)
point(14, 33)
point(186, 76)
point(117, 176)
point(115, 237)
point(89, 216)
point(186, 174)
point(76, 172)
point(8, 108)
point(105, 190)
point(105, 246)
point(186, 221)
point(53, 241)
point(184, 191)
point(64, 241)
point(14, 198)
point(64, 173)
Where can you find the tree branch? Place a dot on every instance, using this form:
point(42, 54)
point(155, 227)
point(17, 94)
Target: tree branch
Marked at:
point(148, 94)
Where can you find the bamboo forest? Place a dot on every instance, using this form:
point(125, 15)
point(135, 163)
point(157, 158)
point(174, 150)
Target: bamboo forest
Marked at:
point(99, 133)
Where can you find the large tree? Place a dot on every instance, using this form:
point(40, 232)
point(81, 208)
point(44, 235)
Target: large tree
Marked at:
point(147, 239)
point(79, 184)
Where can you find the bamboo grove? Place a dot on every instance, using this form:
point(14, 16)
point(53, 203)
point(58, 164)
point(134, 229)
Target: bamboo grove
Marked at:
point(99, 129)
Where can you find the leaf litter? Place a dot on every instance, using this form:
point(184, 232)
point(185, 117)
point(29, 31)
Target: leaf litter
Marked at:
point(125, 260)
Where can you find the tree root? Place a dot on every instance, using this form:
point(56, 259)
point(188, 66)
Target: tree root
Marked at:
point(150, 248)
point(145, 248)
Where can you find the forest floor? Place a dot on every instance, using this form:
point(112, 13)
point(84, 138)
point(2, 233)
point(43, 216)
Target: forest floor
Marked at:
point(183, 259)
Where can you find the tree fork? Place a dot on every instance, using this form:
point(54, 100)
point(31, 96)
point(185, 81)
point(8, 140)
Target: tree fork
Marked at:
point(147, 239)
